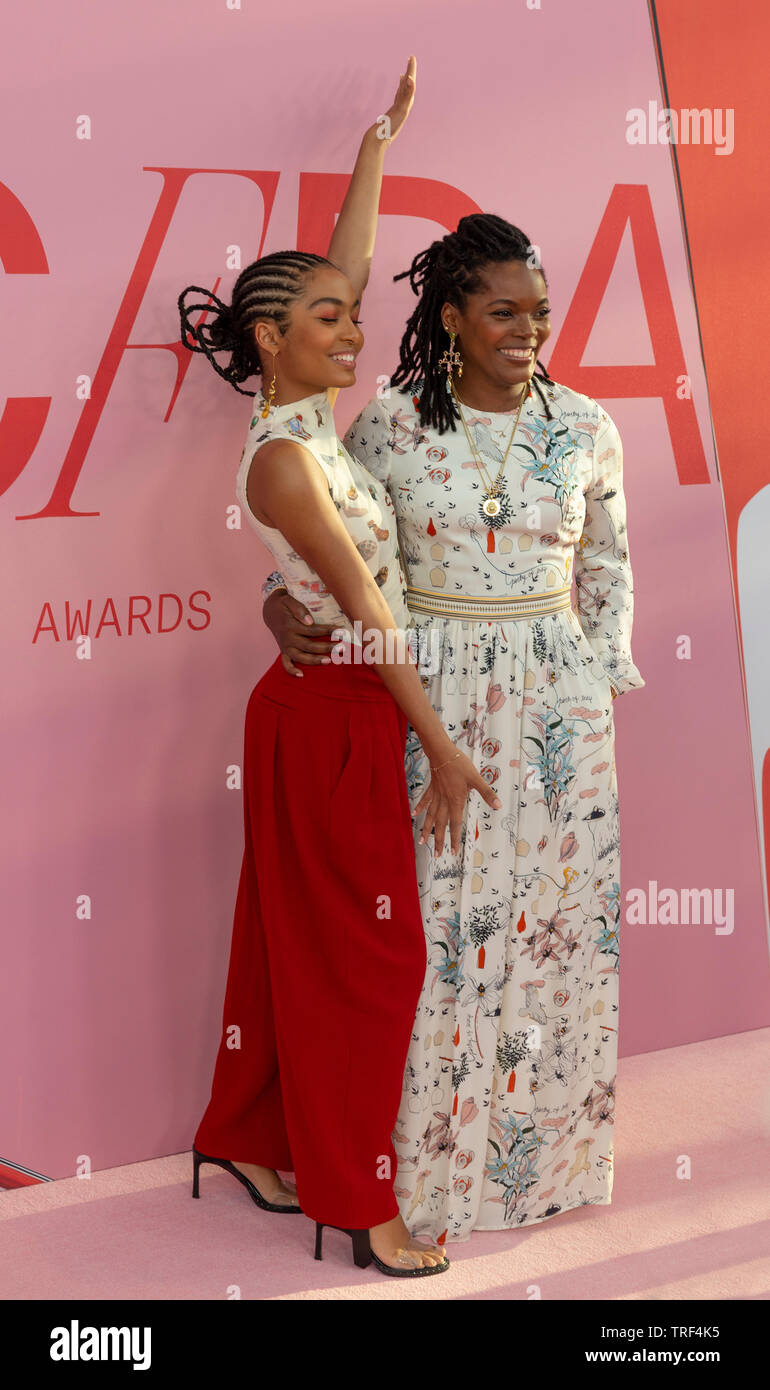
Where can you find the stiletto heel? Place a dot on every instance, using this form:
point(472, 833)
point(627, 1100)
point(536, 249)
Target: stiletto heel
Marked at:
point(253, 1191)
point(363, 1255)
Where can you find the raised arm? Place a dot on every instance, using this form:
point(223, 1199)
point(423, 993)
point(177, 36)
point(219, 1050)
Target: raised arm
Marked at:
point(351, 248)
point(352, 244)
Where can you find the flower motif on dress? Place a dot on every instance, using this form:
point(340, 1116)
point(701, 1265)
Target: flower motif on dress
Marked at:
point(610, 899)
point(553, 760)
point(404, 433)
point(513, 1166)
point(601, 1105)
point(442, 1138)
point(548, 943)
point(607, 940)
point(449, 970)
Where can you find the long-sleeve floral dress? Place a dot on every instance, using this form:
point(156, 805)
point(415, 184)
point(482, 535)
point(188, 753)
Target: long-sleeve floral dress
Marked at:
point(509, 1090)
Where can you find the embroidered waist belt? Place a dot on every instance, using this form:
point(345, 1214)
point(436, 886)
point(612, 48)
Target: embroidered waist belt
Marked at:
point(473, 609)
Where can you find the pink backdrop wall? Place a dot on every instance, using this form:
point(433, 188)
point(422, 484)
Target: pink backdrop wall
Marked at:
point(116, 755)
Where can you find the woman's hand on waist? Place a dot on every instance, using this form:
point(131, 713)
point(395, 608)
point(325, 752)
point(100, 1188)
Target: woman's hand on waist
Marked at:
point(299, 638)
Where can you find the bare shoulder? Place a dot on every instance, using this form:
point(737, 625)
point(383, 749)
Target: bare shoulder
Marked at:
point(283, 472)
point(278, 448)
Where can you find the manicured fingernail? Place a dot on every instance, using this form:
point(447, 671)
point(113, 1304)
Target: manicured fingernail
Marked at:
point(497, 803)
point(326, 661)
point(299, 673)
point(308, 620)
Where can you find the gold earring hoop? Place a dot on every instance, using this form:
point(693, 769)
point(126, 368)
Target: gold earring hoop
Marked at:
point(267, 407)
point(451, 359)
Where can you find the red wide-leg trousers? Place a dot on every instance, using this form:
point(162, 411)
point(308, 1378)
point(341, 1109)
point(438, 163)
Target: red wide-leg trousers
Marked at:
point(328, 949)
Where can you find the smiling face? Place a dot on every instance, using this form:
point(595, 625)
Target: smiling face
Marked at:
point(500, 333)
point(321, 342)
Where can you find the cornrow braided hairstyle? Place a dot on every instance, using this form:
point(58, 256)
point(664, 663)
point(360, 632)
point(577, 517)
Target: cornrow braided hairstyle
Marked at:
point(264, 290)
point(446, 273)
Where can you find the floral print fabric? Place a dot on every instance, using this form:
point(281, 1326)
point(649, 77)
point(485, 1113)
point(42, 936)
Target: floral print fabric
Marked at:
point(509, 1090)
point(362, 502)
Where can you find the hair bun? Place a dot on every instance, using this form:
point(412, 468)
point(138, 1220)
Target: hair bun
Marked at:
point(216, 332)
point(221, 328)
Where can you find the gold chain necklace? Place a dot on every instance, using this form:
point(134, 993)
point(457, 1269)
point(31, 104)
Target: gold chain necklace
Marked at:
point(490, 509)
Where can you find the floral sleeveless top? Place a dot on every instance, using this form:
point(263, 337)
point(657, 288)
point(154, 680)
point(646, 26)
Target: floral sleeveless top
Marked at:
point(361, 500)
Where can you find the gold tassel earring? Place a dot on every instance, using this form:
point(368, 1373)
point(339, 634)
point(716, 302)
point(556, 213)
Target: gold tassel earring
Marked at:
point(269, 400)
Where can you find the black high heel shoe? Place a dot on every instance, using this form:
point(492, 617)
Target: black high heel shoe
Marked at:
point(363, 1254)
point(254, 1193)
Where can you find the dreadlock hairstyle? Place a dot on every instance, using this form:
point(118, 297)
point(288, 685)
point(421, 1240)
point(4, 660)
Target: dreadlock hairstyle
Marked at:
point(446, 273)
point(264, 290)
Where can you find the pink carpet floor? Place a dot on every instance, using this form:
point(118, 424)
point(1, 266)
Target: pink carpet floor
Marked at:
point(135, 1232)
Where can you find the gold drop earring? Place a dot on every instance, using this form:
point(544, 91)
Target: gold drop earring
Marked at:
point(451, 359)
point(269, 400)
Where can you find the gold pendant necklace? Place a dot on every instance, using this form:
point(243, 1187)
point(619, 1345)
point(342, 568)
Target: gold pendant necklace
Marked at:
point(491, 508)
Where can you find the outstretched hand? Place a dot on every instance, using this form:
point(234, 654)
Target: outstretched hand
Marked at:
point(402, 102)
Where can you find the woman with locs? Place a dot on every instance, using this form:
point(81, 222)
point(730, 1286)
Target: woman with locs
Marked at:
point(328, 952)
point(506, 485)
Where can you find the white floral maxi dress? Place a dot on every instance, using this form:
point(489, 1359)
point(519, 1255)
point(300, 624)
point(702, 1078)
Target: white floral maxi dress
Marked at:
point(509, 1090)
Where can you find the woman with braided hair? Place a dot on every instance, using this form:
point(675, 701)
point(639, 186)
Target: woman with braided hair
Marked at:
point(328, 952)
point(506, 486)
